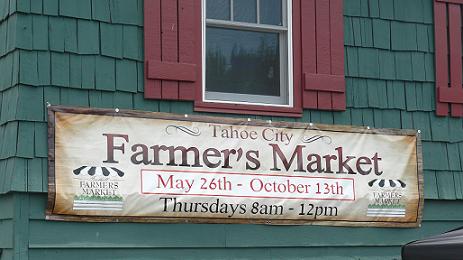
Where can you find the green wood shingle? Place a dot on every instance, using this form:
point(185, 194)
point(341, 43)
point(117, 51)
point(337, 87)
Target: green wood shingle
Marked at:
point(75, 70)
point(50, 7)
point(386, 64)
point(457, 177)
point(57, 33)
point(342, 118)
point(446, 185)
point(11, 33)
point(140, 103)
point(410, 10)
point(364, 8)
point(25, 138)
point(360, 93)
point(418, 67)
point(430, 185)
point(7, 71)
point(435, 156)
point(60, 69)
point(368, 117)
point(374, 8)
point(23, 6)
point(105, 70)
point(126, 75)
point(348, 32)
point(123, 100)
point(391, 118)
point(132, 42)
point(406, 120)
point(88, 72)
point(396, 94)
point(381, 34)
point(30, 106)
point(429, 66)
point(77, 9)
point(357, 117)
point(386, 9)
point(51, 95)
point(440, 128)
point(431, 38)
point(107, 99)
point(368, 62)
point(101, 11)
point(421, 122)
point(3, 36)
point(88, 37)
point(24, 32)
point(357, 31)
point(4, 9)
point(43, 67)
point(28, 69)
point(453, 152)
point(40, 32)
point(9, 104)
point(34, 174)
point(403, 36)
point(377, 93)
point(428, 90)
point(124, 12)
point(428, 12)
point(403, 63)
point(111, 40)
point(74, 97)
point(352, 8)
point(9, 132)
point(352, 61)
point(140, 76)
point(182, 107)
point(36, 6)
point(18, 169)
point(40, 140)
point(422, 37)
point(70, 37)
point(455, 130)
point(366, 32)
point(349, 92)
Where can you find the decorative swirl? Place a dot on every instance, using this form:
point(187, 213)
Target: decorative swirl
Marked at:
point(191, 131)
point(326, 139)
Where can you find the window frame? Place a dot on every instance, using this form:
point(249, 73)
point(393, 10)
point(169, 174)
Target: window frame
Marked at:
point(293, 107)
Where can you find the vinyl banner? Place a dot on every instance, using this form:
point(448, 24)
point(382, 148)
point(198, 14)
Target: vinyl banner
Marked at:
point(108, 165)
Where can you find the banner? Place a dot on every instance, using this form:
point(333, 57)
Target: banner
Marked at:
point(111, 165)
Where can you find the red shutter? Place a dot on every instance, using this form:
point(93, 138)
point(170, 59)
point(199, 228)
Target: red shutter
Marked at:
point(447, 29)
point(172, 49)
point(322, 52)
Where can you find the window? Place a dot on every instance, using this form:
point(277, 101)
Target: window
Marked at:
point(260, 57)
point(247, 52)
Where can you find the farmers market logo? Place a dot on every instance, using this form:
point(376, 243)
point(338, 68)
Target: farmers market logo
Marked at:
point(98, 188)
point(386, 198)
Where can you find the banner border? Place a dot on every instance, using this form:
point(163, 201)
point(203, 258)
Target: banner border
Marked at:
point(233, 121)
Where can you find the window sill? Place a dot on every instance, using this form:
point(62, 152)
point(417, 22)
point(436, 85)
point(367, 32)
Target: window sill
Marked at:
point(201, 106)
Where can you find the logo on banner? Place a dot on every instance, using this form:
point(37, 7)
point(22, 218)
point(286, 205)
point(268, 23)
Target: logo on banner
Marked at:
point(98, 188)
point(386, 198)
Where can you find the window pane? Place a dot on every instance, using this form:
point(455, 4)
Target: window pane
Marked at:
point(218, 9)
point(243, 62)
point(270, 12)
point(245, 11)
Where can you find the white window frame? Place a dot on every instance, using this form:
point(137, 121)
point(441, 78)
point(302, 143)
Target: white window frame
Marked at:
point(286, 79)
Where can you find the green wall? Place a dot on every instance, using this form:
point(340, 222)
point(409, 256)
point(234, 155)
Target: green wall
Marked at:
point(89, 53)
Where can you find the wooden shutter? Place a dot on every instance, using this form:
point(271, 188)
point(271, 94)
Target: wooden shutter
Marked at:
point(447, 29)
point(172, 49)
point(322, 53)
